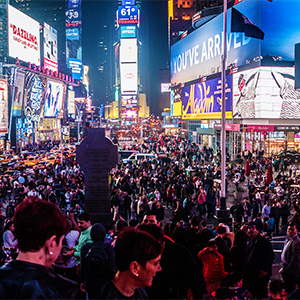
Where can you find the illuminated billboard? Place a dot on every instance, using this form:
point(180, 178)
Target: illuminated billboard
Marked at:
point(128, 14)
point(18, 85)
point(129, 101)
point(128, 31)
point(35, 90)
point(23, 36)
point(50, 48)
point(199, 53)
point(128, 51)
point(53, 99)
point(129, 114)
point(76, 65)
point(266, 92)
point(74, 37)
point(203, 100)
point(129, 80)
point(3, 106)
point(71, 102)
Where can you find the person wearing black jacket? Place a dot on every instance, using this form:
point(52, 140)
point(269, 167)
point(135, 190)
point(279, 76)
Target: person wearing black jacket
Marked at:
point(180, 272)
point(98, 267)
point(258, 263)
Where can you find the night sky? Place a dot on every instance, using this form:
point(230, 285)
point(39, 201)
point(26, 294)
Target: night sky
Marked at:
point(99, 21)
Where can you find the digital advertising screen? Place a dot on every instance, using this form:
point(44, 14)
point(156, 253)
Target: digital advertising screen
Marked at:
point(203, 100)
point(71, 102)
point(266, 92)
point(129, 114)
point(199, 53)
point(53, 99)
point(128, 50)
point(128, 31)
point(23, 36)
point(129, 101)
point(74, 37)
point(3, 106)
point(129, 80)
point(35, 87)
point(50, 48)
point(128, 14)
point(19, 82)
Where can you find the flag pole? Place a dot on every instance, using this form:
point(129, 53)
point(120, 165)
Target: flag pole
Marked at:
point(223, 131)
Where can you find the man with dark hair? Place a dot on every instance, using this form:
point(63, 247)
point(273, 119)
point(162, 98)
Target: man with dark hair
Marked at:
point(290, 258)
point(259, 259)
point(84, 227)
point(150, 217)
point(224, 245)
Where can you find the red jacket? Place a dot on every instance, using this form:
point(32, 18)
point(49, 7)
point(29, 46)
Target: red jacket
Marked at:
point(213, 265)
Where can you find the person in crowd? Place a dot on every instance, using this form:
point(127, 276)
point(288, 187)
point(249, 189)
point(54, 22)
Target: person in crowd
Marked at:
point(40, 228)
point(180, 276)
point(238, 252)
point(224, 245)
point(276, 290)
point(84, 227)
point(235, 284)
point(10, 243)
point(138, 257)
point(213, 266)
point(67, 265)
point(290, 258)
point(258, 266)
point(97, 262)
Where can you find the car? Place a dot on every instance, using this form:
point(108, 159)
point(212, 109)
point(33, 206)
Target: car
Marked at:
point(138, 156)
point(293, 155)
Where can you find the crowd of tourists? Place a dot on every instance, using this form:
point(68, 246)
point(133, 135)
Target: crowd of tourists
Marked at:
point(159, 245)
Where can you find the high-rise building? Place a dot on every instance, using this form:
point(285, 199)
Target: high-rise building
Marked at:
point(180, 13)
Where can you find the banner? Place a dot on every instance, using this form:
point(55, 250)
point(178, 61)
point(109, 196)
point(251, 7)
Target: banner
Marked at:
point(18, 85)
point(204, 100)
point(3, 106)
point(50, 48)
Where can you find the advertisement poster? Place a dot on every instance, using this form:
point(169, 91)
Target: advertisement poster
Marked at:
point(50, 48)
point(3, 107)
point(266, 91)
point(204, 99)
point(35, 86)
point(71, 102)
point(129, 78)
point(53, 99)
point(19, 81)
point(23, 36)
point(74, 37)
point(128, 50)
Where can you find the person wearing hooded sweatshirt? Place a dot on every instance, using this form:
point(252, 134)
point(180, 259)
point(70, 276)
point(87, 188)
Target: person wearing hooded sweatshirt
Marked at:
point(97, 262)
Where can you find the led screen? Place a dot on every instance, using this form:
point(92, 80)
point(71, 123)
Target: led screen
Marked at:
point(266, 92)
point(50, 48)
point(204, 99)
point(18, 93)
point(129, 114)
point(128, 32)
point(128, 50)
point(129, 78)
point(53, 99)
point(128, 14)
point(199, 53)
point(23, 36)
point(3, 107)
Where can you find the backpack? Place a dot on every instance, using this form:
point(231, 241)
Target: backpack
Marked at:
point(96, 260)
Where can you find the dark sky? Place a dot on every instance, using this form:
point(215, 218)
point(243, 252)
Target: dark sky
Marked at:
point(153, 34)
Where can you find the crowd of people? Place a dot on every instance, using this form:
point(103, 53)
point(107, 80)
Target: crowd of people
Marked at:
point(159, 245)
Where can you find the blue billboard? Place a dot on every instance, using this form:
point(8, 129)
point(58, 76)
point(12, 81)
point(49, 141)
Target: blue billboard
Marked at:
point(203, 100)
point(128, 14)
point(76, 66)
point(199, 53)
point(128, 31)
